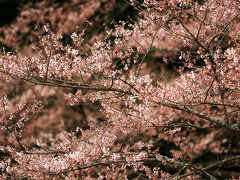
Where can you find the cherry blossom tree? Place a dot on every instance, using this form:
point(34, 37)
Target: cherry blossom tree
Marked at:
point(63, 16)
point(151, 128)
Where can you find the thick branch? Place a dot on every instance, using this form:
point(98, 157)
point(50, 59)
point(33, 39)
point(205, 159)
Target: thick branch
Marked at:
point(201, 115)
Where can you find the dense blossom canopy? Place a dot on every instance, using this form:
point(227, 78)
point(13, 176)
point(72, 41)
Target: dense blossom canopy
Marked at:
point(150, 127)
